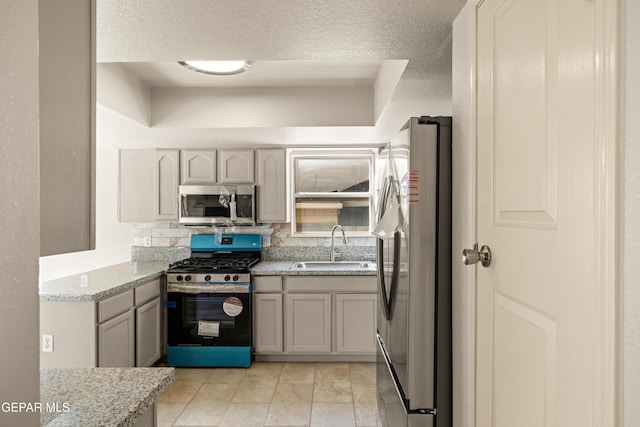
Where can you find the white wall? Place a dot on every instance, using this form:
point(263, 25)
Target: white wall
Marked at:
point(630, 295)
point(113, 239)
point(119, 90)
point(20, 209)
point(262, 107)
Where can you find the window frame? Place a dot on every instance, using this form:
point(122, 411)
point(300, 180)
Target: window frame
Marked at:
point(368, 153)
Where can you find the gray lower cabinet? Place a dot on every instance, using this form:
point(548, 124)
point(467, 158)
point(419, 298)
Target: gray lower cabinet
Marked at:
point(116, 341)
point(148, 333)
point(322, 317)
point(133, 338)
point(123, 330)
point(268, 323)
point(267, 315)
point(355, 323)
point(308, 323)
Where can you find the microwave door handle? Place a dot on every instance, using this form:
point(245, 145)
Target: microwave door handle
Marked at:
point(183, 206)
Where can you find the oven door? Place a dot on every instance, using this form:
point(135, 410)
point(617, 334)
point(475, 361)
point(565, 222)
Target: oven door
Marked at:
point(209, 319)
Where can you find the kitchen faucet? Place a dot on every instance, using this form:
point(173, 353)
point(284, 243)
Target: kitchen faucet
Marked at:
point(334, 254)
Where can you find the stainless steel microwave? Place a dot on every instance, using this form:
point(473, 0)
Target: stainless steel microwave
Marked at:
point(230, 204)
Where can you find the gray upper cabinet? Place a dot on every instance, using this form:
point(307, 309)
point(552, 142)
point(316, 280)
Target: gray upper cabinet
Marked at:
point(166, 179)
point(67, 125)
point(271, 182)
point(148, 185)
point(149, 179)
point(198, 167)
point(236, 166)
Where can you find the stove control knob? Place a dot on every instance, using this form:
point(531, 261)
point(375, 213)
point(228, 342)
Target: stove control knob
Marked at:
point(207, 278)
point(187, 278)
point(235, 278)
point(179, 278)
point(227, 278)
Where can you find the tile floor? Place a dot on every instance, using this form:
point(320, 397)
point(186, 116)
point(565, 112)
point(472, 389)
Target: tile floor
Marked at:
point(272, 394)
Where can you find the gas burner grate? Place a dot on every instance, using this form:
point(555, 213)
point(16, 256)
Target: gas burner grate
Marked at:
point(218, 264)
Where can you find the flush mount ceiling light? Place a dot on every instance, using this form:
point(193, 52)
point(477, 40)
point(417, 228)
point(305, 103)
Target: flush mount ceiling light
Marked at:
point(219, 68)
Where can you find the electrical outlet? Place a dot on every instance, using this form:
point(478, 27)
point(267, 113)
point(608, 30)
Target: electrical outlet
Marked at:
point(147, 241)
point(47, 343)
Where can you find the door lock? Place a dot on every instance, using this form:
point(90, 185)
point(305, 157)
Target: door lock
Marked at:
point(473, 256)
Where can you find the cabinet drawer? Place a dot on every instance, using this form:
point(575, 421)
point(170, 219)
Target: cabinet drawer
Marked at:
point(349, 284)
point(115, 305)
point(267, 284)
point(146, 292)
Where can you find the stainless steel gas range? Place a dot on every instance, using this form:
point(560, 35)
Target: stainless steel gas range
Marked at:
point(209, 320)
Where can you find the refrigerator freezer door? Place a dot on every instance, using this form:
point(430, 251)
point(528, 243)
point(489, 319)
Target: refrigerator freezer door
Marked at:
point(393, 408)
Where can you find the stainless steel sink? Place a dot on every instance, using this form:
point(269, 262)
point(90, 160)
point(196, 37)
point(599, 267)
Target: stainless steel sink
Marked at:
point(336, 265)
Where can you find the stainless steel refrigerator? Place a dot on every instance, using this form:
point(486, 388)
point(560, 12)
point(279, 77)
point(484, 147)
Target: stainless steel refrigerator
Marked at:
point(413, 229)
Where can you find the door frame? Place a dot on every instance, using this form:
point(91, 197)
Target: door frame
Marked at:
point(608, 171)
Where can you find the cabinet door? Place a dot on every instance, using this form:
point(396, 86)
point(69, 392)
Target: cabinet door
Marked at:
point(268, 323)
point(271, 192)
point(308, 323)
point(235, 166)
point(165, 207)
point(148, 333)
point(116, 341)
point(198, 167)
point(355, 323)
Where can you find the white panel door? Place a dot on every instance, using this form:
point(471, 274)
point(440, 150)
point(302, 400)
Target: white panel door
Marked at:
point(539, 314)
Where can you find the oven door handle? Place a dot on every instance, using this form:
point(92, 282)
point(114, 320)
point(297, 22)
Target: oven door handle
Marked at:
point(244, 288)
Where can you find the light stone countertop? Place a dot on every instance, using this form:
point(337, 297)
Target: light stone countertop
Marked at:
point(103, 282)
point(99, 396)
point(283, 268)
point(108, 281)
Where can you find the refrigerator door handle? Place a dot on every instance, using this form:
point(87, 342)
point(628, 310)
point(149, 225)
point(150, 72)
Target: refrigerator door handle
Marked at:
point(387, 301)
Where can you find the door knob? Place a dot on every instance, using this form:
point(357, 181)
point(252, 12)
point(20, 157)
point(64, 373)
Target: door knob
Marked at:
point(473, 256)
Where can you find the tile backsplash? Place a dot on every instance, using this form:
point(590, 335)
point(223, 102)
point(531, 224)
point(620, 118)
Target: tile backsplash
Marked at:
point(169, 241)
point(173, 235)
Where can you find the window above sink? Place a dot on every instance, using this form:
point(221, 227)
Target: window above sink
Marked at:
point(329, 187)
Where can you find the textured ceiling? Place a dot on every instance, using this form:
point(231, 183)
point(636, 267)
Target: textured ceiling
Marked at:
point(291, 30)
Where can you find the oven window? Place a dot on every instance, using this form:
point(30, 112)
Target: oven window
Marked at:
point(209, 319)
point(209, 308)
